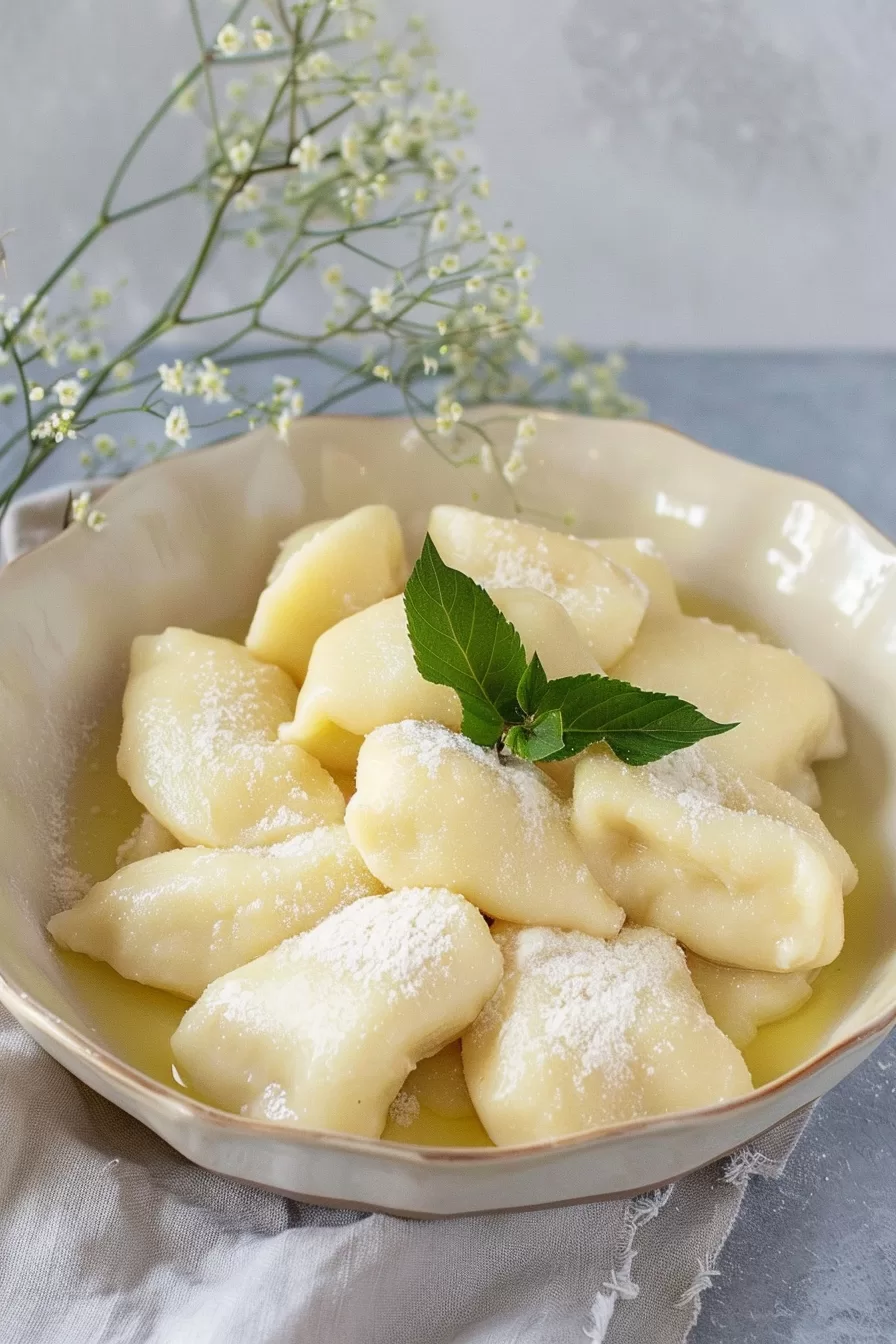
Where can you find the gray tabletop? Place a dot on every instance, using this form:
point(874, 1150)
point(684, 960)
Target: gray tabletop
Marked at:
point(813, 1257)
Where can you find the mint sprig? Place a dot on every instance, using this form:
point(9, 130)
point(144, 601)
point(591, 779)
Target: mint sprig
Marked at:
point(462, 640)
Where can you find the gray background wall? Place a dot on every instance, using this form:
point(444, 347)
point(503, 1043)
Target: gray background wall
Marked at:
point(691, 172)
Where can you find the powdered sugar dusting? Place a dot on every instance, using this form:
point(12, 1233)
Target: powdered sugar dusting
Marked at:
point(404, 1110)
point(577, 998)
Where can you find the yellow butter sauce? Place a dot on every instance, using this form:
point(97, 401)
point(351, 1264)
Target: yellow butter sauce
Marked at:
point(136, 1022)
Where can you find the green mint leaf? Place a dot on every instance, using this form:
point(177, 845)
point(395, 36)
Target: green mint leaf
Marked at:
point(460, 639)
point(540, 741)
point(639, 726)
point(533, 684)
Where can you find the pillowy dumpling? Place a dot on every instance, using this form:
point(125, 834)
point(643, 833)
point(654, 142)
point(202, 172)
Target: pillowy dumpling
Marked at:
point(640, 557)
point(147, 838)
point(199, 745)
point(738, 870)
point(787, 713)
point(182, 919)
point(362, 674)
point(740, 1002)
point(433, 809)
point(605, 603)
point(321, 577)
point(584, 1032)
point(323, 1031)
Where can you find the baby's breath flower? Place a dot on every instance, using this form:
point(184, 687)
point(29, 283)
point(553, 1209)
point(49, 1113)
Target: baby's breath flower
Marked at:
point(487, 459)
point(530, 316)
point(363, 97)
point(100, 297)
point(177, 426)
point(430, 365)
point(80, 507)
point(470, 230)
point(230, 41)
point(434, 272)
point(262, 36)
point(250, 198)
point(442, 326)
point(474, 284)
point(395, 141)
point(36, 392)
point(382, 371)
point(317, 66)
point(105, 445)
point(8, 394)
point(444, 425)
point(501, 296)
point(297, 403)
point(481, 188)
point(176, 378)
point(185, 102)
point(525, 272)
point(123, 371)
point(67, 390)
point(450, 263)
point(252, 238)
point(443, 169)
point(526, 430)
point(380, 186)
point(333, 277)
point(281, 423)
point(381, 301)
point(439, 226)
point(95, 520)
point(12, 318)
point(307, 155)
point(351, 145)
point(498, 242)
point(240, 155)
point(362, 199)
point(421, 194)
point(515, 466)
point(517, 243)
point(211, 382)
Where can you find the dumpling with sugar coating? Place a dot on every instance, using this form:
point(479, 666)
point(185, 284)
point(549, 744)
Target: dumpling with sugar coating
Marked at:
point(606, 603)
point(182, 919)
point(584, 1032)
point(740, 1002)
point(433, 809)
point(323, 1031)
point(199, 745)
point(324, 574)
point(362, 674)
point(738, 870)
point(787, 714)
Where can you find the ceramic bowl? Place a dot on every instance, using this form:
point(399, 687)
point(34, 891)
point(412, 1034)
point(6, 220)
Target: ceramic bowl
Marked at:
point(189, 542)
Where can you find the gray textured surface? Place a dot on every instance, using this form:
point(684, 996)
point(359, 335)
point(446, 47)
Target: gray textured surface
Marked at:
point(813, 1258)
point(691, 172)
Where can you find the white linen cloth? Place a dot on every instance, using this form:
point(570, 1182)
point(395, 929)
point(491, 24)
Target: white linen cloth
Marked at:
point(108, 1236)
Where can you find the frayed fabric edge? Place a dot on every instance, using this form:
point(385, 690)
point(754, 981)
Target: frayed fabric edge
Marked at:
point(620, 1285)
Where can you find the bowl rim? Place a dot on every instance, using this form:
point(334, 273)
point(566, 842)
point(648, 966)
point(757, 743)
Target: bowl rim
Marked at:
point(27, 1009)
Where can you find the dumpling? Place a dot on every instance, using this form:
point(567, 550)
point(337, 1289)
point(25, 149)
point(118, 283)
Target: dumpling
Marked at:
point(147, 838)
point(605, 603)
point(433, 809)
point(199, 745)
point(584, 1032)
point(787, 713)
point(322, 576)
point(179, 920)
point(640, 557)
point(362, 674)
point(740, 1002)
point(738, 870)
point(323, 1031)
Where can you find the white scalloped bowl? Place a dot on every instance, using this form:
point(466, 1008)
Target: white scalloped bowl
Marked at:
point(189, 542)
